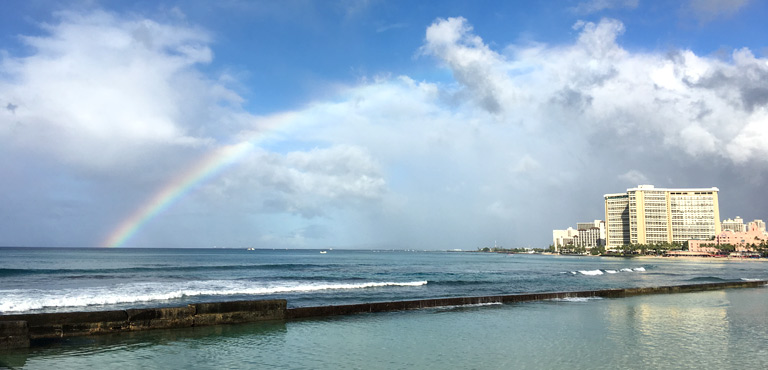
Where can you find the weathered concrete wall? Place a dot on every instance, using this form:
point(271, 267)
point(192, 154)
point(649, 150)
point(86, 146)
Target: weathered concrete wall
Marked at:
point(238, 312)
point(16, 331)
point(161, 318)
point(66, 324)
point(302, 312)
point(14, 334)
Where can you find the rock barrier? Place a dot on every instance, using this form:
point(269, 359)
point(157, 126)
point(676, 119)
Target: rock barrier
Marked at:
point(18, 331)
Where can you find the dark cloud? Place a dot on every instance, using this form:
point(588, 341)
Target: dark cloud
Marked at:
point(744, 85)
point(572, 99)
point(755, 96)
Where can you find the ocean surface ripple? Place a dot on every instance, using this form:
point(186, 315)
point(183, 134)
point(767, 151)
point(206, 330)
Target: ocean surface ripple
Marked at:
point(82, 279)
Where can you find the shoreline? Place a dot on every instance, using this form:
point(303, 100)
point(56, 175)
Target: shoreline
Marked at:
point(701, 258)
point(672, 257)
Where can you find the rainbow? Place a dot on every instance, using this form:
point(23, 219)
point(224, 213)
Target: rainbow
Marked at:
point(208, 167)
point(276, 126)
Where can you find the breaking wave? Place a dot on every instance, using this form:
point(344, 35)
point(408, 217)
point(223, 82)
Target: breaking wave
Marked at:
point(468, 305)
point(23, 300)
point(575, 299)
point(597, 272)
point(591, 272)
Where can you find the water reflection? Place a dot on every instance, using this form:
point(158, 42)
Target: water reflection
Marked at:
point(686, 330)
point(212, 343)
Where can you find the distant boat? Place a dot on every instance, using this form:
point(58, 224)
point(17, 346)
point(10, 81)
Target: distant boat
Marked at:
point(251, 249)
point(323, 252)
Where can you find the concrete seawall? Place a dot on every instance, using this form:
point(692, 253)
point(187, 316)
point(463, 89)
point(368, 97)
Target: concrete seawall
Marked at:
point(18, 331)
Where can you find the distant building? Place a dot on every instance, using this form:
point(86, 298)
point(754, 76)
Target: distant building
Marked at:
point(658, 215)
point(759, 224)
point(563, 238)
point(742, 240)
point(735, 225)
point(590, 234)
point(587, 235)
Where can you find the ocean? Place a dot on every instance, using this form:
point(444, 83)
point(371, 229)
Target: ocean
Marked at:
point(719, 329)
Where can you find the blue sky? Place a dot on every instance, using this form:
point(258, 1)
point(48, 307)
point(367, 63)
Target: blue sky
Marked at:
point(373, 124)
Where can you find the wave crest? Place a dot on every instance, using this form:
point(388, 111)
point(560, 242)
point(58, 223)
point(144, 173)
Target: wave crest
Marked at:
point(598, 272)
point(22, 300)
point(591, 272)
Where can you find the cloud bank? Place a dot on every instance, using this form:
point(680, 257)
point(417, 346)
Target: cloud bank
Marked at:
point(528, 127)
point(702, 105)
point(106, 109)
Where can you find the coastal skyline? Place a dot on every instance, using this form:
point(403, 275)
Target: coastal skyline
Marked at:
point(368, 124)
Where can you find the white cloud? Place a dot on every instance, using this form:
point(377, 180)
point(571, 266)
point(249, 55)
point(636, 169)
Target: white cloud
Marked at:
point(335, 172)
point(395, 159)
point(678, 100)
point(598, 40)
point(556, 117)
point(305, 183)
point(633, 177)
point(526, 164)
point(473, 64)
point(695, 140)
point(750, 145)
point(99, 83)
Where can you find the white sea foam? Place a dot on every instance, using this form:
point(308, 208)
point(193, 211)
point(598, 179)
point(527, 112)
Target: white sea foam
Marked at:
point(22, 300)
point(748, 279)
point(591, 272)
point(601, 272)
point(575, 299)
point(469, 305)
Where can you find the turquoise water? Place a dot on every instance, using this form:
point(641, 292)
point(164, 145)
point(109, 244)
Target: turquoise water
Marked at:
point(710, 330)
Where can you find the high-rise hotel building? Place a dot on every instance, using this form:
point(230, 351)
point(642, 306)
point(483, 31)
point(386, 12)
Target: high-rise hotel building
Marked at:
point(648, 215)
point(616, 219)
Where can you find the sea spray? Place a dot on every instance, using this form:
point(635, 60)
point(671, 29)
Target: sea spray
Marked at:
point(13, 301)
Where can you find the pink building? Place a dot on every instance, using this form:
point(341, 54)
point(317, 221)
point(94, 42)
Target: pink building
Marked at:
point(742, 240)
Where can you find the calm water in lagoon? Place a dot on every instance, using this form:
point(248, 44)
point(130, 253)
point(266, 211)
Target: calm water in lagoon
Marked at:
point(712, 330)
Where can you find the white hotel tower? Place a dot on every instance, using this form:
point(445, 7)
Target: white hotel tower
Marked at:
point(648, 215)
